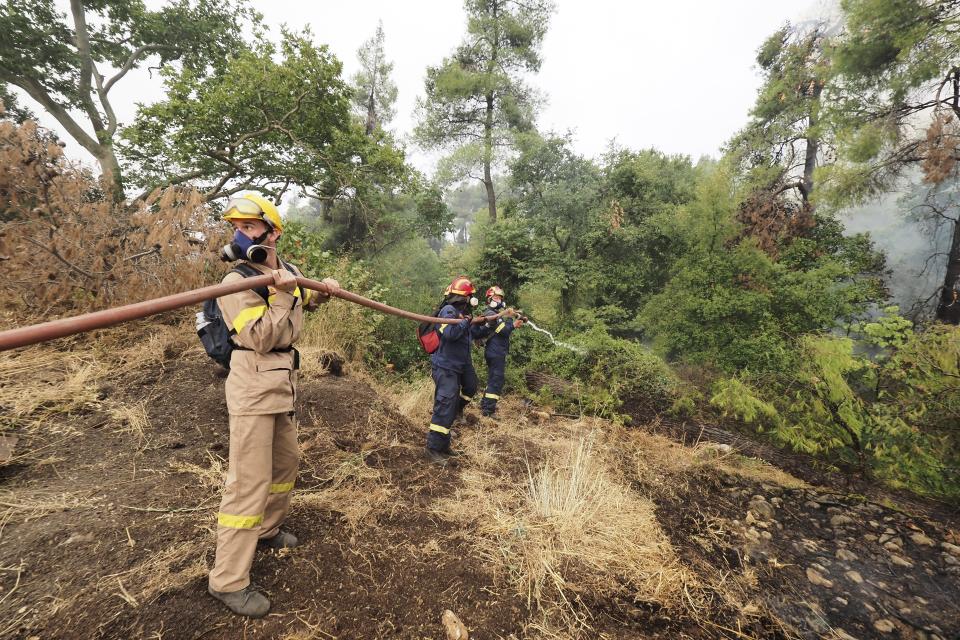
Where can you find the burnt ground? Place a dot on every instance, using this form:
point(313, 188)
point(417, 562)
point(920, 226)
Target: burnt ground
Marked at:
point(106, 531)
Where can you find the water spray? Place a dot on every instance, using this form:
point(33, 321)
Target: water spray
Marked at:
point(565, 345)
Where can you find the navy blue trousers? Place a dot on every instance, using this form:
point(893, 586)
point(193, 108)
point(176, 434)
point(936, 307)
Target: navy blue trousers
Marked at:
point(452, 392)
point(496, 376)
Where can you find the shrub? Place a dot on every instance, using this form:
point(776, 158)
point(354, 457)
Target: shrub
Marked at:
point(67, 248)
point(609, 371)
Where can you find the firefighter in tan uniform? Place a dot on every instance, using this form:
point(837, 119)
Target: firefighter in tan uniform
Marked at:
point(260, 392)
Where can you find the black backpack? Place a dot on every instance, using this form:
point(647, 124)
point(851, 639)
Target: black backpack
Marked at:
point(211, 327)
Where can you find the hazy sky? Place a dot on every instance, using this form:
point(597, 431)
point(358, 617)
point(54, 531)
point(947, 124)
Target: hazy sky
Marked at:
point(676, 75)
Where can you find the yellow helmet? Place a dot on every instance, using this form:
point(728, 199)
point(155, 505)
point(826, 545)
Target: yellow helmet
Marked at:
point(253, 206)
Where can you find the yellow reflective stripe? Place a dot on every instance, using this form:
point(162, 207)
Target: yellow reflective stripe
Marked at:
point(439, 429)
point(248, 315)
point(238, 522)
point(283, 487)
point(500, 326)
point(467, 398)
point(492, 396)
point(296, 294)
point(441, 328)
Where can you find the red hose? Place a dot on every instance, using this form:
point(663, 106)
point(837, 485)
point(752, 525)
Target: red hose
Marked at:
point(13, 338)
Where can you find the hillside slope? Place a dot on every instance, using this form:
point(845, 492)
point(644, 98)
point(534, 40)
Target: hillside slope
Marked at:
point(545, 528)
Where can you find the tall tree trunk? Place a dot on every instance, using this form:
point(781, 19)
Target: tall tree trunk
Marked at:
point(371, 113)
point(813, 144)
point(488, 159)
point(948, 310)
point(111, 176)
point(809, 164)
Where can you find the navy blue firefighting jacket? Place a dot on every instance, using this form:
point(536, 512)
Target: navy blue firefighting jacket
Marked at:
point(454, 350)
point(499, 330)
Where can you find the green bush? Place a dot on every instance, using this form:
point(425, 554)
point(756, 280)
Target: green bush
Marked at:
point(608, 371)
point(890, 414)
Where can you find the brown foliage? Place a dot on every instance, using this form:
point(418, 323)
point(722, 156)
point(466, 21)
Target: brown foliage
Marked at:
point(940, 148)
point(67, 248)
point(772, 219)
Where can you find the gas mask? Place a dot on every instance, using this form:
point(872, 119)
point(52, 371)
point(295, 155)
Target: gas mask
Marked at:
point(495, 304)
point(473, 301)
point(243, 248)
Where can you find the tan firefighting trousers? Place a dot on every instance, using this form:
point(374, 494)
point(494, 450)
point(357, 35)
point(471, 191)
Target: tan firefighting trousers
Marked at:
point(256, 498)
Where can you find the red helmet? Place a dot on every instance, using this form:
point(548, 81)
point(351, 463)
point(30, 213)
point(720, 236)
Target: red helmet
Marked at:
point(494, 291)
point(461, 286)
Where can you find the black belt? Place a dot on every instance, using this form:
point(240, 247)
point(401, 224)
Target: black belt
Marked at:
point(296, 354)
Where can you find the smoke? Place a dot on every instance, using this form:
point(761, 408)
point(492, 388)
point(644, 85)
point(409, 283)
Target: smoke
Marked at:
point(907, 231)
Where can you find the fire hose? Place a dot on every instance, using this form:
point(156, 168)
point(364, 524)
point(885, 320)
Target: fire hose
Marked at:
point(24, 336)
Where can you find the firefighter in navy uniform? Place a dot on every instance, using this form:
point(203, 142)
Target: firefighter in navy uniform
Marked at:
point(454, 377)
point(497, 333)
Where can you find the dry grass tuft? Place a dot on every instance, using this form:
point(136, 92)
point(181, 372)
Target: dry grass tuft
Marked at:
point(37, 384)
point(412, 399)
point(211, 477)
point(658, 461)
point(170, 569)
point(23, 506)
point(567, 532)
point(345, 483)
point(132, 419)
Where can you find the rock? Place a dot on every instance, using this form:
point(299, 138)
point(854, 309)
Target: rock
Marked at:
point(951, 548)
point(7, 445)
point(891, 546)
point(749, 519)
point(766, 535)
point(454, 628)
point(840, 601)
point(810, 504)
point(949, 559)
point(883, 625)
point(846, 556)
point(814, 577)
point(900, 561)
point(854, 576)
point(777, 502)
point(869, 537)
point(874, 524)
point(840, 520)
point(921, 539)
point(77, 538)
point(761, 507)
point(834, 510)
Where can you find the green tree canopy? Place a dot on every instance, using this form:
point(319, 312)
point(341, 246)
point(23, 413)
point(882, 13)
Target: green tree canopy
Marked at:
point(896, 106)
point(476, 100)
point(70, 65)
point(374, 91)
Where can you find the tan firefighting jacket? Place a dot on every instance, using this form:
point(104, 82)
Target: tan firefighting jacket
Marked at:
point(263, 378)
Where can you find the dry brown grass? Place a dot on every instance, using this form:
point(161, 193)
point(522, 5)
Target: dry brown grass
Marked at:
point(210, 477)
point(345, 483)
point(660, 461)
point(170, 569)
point(41, 385)
point(566, 530)
point(22, 505)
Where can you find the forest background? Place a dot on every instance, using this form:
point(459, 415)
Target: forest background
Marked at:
point(740, 288)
